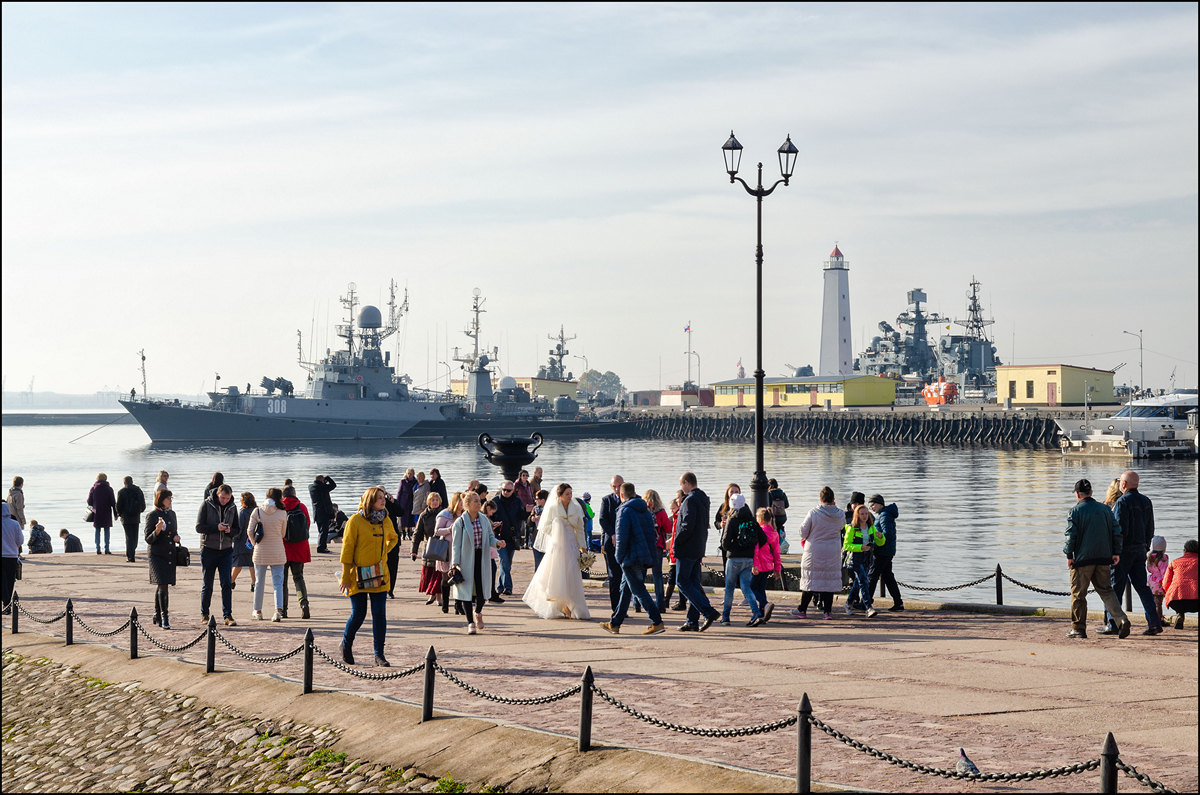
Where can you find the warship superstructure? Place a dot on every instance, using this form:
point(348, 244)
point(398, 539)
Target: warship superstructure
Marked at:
point(968, 360)
point(355, 393)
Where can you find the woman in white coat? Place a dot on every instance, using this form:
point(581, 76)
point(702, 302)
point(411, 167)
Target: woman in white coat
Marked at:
point(470, 556)
point(821, 566)
point(556, 589)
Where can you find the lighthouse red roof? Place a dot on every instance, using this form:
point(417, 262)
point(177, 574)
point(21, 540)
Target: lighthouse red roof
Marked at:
point(836, 252)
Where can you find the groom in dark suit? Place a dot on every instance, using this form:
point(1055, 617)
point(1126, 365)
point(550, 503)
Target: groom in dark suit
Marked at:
point(608, 529)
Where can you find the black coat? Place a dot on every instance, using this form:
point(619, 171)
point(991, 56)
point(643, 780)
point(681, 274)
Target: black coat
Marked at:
point(691, 538)
point(131, 503)
point(161, 546)
point(439, 487)
point(511, 514)
point(321, 501)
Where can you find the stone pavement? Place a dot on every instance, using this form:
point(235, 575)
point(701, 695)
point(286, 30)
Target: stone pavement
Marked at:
point(918, 684)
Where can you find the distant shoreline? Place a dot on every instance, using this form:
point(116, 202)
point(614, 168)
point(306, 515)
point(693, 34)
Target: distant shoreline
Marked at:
point(77, 417)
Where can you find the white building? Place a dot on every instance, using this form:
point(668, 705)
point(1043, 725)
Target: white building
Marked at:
point(836, 357)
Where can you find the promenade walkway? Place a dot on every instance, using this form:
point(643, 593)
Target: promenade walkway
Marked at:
point(1010, 689)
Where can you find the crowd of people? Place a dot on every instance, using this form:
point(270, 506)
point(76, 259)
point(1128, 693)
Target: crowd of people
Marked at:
point(466, 541)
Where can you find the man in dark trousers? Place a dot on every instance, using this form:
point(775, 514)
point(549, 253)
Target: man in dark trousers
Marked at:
point(636, 547)
point(130, 505)
point(608, 530)
point(323, 513)
point(1093, 546)
point(691, 541)
point(511, 514)
point(881, 563)
point(1135, 514)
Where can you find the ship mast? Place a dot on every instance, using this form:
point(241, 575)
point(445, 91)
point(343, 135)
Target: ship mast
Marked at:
point(558, 353)
point(472, 330)
point(975, 324)
point(346, 330)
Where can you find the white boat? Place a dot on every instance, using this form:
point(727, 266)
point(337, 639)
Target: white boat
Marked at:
point(1159, 426)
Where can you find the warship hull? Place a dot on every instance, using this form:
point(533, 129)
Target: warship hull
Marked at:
point(309, 420)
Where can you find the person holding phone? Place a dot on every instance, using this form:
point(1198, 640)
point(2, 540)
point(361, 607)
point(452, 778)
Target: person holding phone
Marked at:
point(218, 525)
point(162, 534)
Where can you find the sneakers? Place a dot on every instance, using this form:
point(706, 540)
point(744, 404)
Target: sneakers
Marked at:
point(872, 612)
point(278, 616)
point(1178, 623)
point(654, 629)
point(705, 623)
point(479, 620)
point(754, 622)
point(829, 616)
point(257, 615)
point(471, 629)
point(766, 616)
point(229, 622)
point(725, 622)
point(849, 609)
point(794, 613)
point(1077, 633)
point(610, 629)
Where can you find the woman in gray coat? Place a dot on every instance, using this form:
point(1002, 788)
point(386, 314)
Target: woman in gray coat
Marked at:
point(470, 555)
point(821, 566)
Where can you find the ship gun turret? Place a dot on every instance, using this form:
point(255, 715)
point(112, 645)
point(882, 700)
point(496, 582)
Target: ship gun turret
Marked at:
point(284, 386)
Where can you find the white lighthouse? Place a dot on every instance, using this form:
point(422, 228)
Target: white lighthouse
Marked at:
point(835, 317)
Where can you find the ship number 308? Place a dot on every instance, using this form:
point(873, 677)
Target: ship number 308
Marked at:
point(277, 406)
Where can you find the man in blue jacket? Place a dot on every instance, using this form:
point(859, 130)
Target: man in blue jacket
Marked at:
point(634, 547)
point(1093, 546)
point(691, 542)
point(881, 564)
point(1135, 513)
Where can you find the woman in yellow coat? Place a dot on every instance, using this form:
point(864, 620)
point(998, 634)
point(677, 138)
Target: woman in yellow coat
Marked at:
point(369, 534)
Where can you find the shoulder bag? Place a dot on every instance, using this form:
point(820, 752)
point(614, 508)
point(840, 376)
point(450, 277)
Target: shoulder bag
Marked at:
point(437, 549)
point(90, 516)
point(372, 576)
point(183, 556)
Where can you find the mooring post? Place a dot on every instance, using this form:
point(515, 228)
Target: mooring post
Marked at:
point(133, 651)
point(1108, 764)
point(585, 710)
point(427, 691)
point(210, 662)
point(999, 586)
point(804, 747)
point(70, 623)
point(13, 606)
point(308, 661)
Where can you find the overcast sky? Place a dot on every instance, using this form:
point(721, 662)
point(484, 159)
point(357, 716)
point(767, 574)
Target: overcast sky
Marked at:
point(203, 180)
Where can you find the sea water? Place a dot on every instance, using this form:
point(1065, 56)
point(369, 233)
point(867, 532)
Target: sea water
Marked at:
point(962, 510)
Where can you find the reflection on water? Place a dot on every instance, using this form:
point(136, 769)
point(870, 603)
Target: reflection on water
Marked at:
point(961, 510)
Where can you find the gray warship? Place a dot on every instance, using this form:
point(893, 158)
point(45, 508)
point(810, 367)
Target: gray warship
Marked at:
point(355, 394)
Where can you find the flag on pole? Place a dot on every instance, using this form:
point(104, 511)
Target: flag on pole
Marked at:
point(688, 328)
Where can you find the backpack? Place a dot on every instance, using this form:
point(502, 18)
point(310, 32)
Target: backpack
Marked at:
point(297, 527)
point(747, 535)
point(777, 507)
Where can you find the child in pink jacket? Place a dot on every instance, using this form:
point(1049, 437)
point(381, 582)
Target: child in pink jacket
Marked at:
point(767, 561)
point(1156, 569)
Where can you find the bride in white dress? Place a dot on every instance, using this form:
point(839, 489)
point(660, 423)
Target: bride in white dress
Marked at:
point(556, 590)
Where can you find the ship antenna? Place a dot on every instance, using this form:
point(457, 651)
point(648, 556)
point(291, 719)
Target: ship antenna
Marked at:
point(142, 353)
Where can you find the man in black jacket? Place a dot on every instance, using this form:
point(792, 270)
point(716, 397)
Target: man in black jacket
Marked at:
point(130, 505)
point(1135, 513)
point(511, 514)
point(691, 541)
point(323, 513)
point(608, 531)
point(217, 523)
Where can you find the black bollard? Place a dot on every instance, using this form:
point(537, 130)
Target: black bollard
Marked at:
point(308, 661)
point(210, 662)
point(427, 692)
point(999, 586)
point(15, 604)
point(804, 747)
point(1108, 764)
point(133, 652)
point(585, 711)
point(70, 623)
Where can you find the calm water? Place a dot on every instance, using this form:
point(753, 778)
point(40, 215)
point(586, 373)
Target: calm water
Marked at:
point(961, 510)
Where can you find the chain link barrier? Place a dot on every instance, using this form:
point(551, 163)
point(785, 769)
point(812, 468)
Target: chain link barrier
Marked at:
point(948, 588)
point(1028, 775)
point(164, 646)
point(1035, 588)
point(559, 696)
point(741, 731)
point(255, 658)
point(1142, 778)
point(97, 632)
point(32, 617)
point(341, 666)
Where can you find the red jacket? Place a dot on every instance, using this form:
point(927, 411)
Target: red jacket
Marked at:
point(297, 552)
point(1180, 582)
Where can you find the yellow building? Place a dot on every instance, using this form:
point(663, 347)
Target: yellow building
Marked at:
point(536, 387)
point(1053, 385)
point(799, 393)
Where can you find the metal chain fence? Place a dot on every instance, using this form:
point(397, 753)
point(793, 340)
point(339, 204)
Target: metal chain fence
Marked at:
point(1142, 778)
point(1035, 588)
point(164, 646)
point(255, 658)
point(741, 731)
point(948, 588)
point(570, 691)
point(341, 666)
point(1028, 775)
point(32, 617)
point(97, 632)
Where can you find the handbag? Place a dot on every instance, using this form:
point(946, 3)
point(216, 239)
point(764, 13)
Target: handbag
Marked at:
point(183, 556)
point(455, 577)
point(90, 516)
point(437, 549)
point(372, 576)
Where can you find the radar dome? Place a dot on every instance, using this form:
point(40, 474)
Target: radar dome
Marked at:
point(507, 382)
point(370, 317)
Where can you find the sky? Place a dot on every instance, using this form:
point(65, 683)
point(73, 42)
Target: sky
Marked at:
point(203, 181)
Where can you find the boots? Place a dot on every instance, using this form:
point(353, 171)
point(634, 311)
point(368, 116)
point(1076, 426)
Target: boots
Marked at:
point(303, 612)
point(158, 619)
point(669, 592)
point(166, 623)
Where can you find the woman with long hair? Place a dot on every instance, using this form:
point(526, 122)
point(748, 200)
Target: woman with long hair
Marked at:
point(426, 531)
point(243, 550)
point(663, 528)
point(556, 589)
point(162, 534)
point(266, 527)
point(369, 535)
point(470, 558)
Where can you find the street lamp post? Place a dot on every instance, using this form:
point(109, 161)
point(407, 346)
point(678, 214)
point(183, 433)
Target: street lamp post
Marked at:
point(584, 357)
point(698, 380)
point(1141, 371)
point(732, 151)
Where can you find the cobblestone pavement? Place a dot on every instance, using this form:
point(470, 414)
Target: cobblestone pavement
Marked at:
point(64, 732)
point(917, 684)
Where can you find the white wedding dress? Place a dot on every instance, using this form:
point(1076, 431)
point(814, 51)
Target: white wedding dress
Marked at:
point(556, 590)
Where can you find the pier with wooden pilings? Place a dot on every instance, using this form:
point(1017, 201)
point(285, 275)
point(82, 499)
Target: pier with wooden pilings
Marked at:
point(981, 429)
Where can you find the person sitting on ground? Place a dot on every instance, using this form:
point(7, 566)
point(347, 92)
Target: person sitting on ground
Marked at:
point(1180, 583)
point(71, 542)
point(39, 539)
